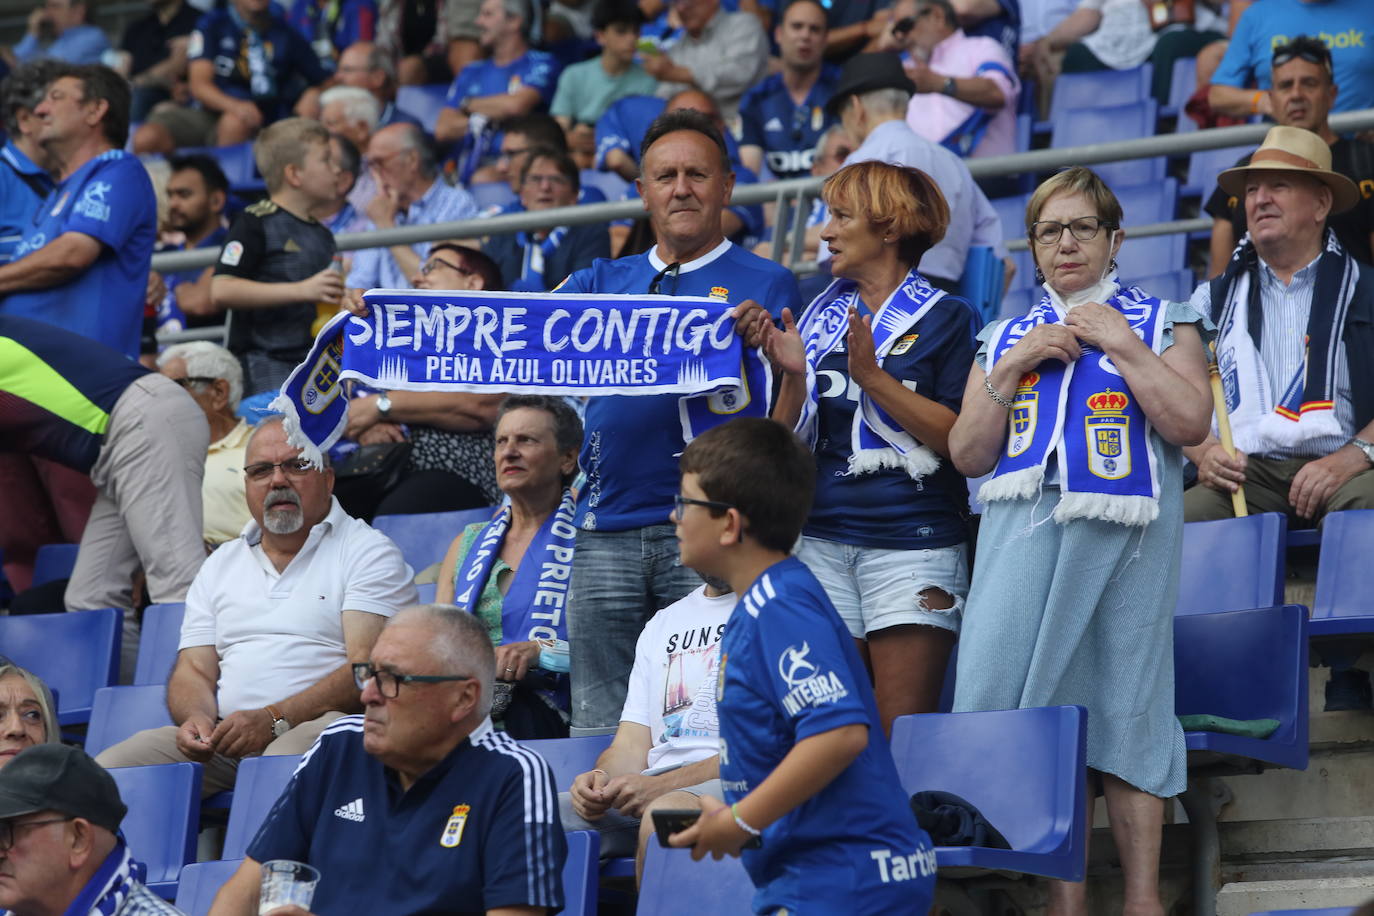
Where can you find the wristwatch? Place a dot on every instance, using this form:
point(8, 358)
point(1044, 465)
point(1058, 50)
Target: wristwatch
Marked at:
point(384, 404)
point(1366, 447)
point(949, 87)
point(279, 724)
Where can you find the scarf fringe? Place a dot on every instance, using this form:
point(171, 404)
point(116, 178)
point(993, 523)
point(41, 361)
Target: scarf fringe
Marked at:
point(1124, 510)
point(1022, 484)
point(296, 436)
point(917, 462)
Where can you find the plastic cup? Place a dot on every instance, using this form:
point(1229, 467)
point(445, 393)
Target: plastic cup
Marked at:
point(285, 882)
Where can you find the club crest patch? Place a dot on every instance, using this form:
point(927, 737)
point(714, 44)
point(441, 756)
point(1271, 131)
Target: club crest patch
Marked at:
point(1024, 409)
point(1108, 432)
point(720, 292)
point(453, 830)
point(903, 344)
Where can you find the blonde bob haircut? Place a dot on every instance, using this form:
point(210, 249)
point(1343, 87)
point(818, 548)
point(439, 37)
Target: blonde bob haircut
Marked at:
point(893, 198)
point(1076, 180)
point(51, 733)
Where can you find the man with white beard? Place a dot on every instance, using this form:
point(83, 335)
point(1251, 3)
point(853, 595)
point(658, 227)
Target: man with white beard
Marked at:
point(274, 621)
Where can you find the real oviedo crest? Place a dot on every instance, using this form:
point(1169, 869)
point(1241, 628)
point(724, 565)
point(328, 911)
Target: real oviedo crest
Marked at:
point(1108, 432)
point(1024, 408)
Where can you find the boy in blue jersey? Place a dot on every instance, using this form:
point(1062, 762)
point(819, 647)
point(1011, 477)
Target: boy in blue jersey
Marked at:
point(627, 566)
point(83, 261)
point(803, 762)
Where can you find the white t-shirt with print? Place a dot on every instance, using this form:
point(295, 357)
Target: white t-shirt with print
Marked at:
point(672, 689)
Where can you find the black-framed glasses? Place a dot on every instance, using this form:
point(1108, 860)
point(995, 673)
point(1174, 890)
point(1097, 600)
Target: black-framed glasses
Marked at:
point(190, 380)
point(295, 467)
point(680, 502)
point(1084, 228)
point(1284, 53)
point(428, 267)
point(389, 682)
point(657, 282)
point(8, 829)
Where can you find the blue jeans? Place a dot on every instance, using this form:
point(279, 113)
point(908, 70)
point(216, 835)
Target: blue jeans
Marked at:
point(619, 580)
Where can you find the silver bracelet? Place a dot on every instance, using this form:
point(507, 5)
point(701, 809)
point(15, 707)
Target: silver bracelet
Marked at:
point(995, 394)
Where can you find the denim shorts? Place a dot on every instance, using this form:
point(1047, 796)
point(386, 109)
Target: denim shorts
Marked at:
point(874, 588)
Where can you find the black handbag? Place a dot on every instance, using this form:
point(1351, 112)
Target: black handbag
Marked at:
point(367, 474)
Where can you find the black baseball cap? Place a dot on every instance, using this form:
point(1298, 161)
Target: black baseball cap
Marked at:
point(55, 777)
point(866, 73)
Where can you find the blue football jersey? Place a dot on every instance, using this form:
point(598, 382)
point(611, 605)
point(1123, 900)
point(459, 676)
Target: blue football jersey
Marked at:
point(631, 444)
point(787, 132)
point(788, 671)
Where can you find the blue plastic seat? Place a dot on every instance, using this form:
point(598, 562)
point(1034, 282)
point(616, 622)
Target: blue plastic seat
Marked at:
point(424, 537)
point(1073, 91)
point(490, 194)
point(53, 562)
point(1232, 564)
point(257, 787)
point(1143, 257)
point(580, 890)
point(237, 163)
point(569, 757)
point(1205, 165)
point(1181, 88)
point(425, 593)
point(423, 102)
point(1344, 603)
point(1016, 302)
point(200, 882)
point(1012, 212)
point(163, 819)
point(158, 641)
point(1142, 204)
point(88, 658)
point(1024, 769)
point(119, 712)
point(981, 283)
point(674, 885)
point(1176, 285)
point(1086, 126)
point(1244, 665)
point(608, 183)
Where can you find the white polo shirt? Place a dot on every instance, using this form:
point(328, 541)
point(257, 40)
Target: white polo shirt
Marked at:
point(279, 633)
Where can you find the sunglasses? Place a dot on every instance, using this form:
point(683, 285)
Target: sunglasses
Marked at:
point(1285, 53)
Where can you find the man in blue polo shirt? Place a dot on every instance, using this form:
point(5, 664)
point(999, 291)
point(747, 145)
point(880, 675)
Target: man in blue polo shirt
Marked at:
point(513, 81)
point(627, 564)
point(417, 806)
point(23, 182)
point(783, 116)
point(83, 262)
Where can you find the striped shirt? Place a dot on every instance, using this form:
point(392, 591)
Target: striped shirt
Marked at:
point(1282, 350)
point(478, 831)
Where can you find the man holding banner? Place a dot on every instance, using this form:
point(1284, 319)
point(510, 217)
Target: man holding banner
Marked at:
point(627, 558)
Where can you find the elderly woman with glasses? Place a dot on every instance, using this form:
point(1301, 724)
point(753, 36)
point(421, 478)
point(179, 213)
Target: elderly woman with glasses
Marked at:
point(536, 261)
point(1079, 410)
point(512, 572)
point(28, 715)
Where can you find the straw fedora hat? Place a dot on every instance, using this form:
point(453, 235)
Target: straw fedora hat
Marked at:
point(1292, 149)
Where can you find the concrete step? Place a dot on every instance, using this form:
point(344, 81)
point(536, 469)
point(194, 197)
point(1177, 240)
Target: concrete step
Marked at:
point(1255, 896)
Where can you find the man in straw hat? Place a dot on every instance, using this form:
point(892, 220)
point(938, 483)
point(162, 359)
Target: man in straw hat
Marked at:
point(60, 846)
point(1295, 327)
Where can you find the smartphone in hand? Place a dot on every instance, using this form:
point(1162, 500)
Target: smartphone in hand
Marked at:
point(669, 821)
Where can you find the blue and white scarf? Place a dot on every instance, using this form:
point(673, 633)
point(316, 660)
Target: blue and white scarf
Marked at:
point(108, 888)
point(573, 344)
point(876, 440)
point(534, 603)
point(536, 254)
point(1091, 422)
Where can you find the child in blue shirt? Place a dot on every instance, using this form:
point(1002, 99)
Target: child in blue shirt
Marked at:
point(803, 762)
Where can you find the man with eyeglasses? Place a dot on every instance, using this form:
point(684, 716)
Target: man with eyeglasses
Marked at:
point(82, 405)
point(537, 260)
point(60, 846)
point(273, 623)
point(418, 805)
point(1301, 95)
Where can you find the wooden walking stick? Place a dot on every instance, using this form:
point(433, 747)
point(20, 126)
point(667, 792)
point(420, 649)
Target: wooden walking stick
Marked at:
point(1224, 426)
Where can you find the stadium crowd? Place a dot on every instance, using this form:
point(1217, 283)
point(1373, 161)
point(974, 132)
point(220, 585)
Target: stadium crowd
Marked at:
point(754, 592)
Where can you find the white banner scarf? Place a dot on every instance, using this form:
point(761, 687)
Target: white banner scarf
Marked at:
point(876, 440)
point(536, 343)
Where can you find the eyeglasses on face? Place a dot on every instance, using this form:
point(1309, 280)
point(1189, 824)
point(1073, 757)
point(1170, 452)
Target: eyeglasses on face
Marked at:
point(190, 380)
point(560, 181)
point(681, 502)
point(9, 828)
point(294, 467)
point(434, 263)
point(1084, 228)
point(389, 682)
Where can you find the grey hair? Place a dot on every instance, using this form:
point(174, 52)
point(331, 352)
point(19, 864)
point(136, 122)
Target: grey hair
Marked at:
point(378, 59)
point(567, 425)
point(25, 88)
point(819, 149)
point(208, 360)
point(51, 733)
point(358, 104)
point(413, 138)
point(460, 645)
point(886, 101)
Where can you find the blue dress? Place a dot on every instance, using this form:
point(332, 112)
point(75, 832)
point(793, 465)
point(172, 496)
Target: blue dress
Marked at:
point(1082, 614)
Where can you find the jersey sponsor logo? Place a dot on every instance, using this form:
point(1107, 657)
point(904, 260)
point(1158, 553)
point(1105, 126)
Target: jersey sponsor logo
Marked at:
point(809, 685)
point(453, 830)
point(93, 203)
point(785, 161)
point(32, 243)
point(1350, 38)
point(903, 344)
point(740, 786)
point(353, 811)
point(895, 866)
point(232, 254)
